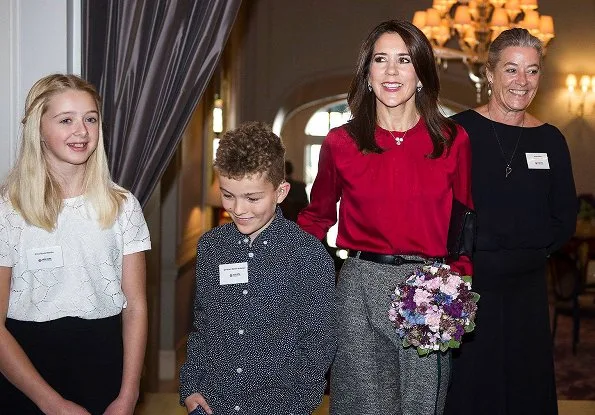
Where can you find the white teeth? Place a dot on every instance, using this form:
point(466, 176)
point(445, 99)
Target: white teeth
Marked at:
point(518, 92)
point(392, 84)
point(78, 145)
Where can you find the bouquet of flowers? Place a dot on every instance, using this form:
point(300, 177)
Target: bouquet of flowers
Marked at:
point(433, 308)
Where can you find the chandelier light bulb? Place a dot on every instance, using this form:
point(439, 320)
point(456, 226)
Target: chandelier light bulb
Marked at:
point(528, 4)
point(571, 82)
point(462, 15)
point(531, 21)
point(498, 3)
point(585, 82)
point(546, 25)
point(419, 19)
point(499, 18)
point(513, 8)
point(433, 18)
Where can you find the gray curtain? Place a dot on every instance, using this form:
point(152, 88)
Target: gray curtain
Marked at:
point(151, 61)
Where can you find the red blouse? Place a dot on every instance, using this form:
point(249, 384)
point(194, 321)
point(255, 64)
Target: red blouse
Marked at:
point(397, 202)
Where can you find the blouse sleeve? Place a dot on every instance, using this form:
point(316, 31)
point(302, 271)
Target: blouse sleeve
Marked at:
point(6, 245)
point(563, 202)
point(462, 191)
point(135, 232)
point(318, 217)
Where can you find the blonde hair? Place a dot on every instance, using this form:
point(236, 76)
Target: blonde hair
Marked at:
point(32, 189)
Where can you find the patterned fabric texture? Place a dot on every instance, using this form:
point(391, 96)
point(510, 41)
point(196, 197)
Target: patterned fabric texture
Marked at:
point(88, 284)
point(264, 346)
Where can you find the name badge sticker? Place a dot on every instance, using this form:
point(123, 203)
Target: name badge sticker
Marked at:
point(233, 273)
point(537, 161)
point(44, 258)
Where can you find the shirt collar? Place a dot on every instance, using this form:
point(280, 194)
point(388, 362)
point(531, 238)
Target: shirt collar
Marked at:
point(273, 228)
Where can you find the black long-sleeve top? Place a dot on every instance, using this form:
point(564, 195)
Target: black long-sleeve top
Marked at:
point(531, 208)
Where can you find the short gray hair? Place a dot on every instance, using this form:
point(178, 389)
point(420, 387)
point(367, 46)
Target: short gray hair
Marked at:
point(515, 37)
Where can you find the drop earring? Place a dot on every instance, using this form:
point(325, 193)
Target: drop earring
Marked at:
point(419, 87)
point(369, 86)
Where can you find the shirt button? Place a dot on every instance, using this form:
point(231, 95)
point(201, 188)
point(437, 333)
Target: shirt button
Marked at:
point(245, 292)
point(265, 242)
point(239, 370)
point(241, 331)
point(236, 408)
point(246, 240)
point(250, 254)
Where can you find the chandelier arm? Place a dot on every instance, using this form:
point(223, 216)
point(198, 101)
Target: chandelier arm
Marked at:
point(477, 76)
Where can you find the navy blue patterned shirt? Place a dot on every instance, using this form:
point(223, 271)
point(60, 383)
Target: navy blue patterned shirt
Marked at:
point(262, 347)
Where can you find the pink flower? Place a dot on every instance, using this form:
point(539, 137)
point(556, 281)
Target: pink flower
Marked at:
point(421, 296)
point(433, 318)
point(433, 284)
point(392, 314)
point(451, 287)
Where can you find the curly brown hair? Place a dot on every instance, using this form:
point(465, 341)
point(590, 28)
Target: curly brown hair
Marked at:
point(249, 150)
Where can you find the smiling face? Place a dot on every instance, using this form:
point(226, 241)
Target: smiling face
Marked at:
point(391, 74)
point(251, 202)
point(515, 78)
point(69, 130)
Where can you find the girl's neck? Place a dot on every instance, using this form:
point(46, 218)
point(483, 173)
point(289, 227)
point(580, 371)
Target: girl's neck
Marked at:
point(71, 183)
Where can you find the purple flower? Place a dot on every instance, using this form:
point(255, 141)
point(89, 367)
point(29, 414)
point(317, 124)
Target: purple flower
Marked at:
point(454, 309)
point(432, 307)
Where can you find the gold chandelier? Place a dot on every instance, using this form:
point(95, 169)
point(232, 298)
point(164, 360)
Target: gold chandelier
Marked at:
point(474, 24)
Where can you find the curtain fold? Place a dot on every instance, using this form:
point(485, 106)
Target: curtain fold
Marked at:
point(151, 61)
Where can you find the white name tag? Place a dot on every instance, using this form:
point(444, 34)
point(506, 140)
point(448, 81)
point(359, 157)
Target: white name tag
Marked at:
point(233, 273)
point(44, 258)
point(537, 161)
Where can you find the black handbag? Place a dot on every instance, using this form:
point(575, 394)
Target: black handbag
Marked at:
point(462, 231)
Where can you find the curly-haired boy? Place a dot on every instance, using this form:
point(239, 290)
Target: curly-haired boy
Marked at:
point(265, 296)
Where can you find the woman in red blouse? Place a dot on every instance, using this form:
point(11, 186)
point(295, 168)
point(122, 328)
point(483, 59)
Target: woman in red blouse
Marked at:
point(395, 167)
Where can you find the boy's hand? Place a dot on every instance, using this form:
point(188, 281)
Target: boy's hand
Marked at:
point(194, 401)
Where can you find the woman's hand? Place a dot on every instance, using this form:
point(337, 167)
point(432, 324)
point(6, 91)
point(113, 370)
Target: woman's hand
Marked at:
point(65, 407)
point(121, 406)
point(195, 400)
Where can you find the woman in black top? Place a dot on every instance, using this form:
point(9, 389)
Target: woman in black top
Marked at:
point(526, 204)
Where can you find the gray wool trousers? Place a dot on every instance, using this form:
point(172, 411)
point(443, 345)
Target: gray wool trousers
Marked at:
point(373, 374)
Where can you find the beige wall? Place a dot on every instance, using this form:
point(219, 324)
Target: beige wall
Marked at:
point(298, 52)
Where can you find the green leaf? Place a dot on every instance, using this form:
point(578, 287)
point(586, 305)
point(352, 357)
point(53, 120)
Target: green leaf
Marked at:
point(423, 352)
point(406, 343)
point(454, 344)
point(475, 297)
point(470, 327)
point(467, 278)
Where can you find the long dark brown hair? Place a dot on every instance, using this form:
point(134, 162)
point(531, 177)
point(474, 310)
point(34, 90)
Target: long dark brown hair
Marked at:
point(362, 102)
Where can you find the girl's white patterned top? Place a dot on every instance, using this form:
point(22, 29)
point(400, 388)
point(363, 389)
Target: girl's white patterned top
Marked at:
point(88, 284)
